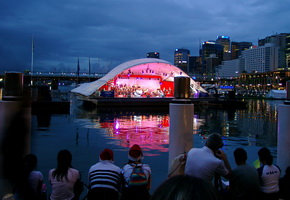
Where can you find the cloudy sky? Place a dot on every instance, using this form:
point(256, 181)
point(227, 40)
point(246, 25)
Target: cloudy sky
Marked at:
point(115, 31)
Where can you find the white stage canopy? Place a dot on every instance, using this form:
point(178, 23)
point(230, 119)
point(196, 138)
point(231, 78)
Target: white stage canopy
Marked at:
point(156, 66)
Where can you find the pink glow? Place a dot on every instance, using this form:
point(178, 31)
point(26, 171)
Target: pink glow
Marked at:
point(151, 78)
point(150, 132)
point(152, 84)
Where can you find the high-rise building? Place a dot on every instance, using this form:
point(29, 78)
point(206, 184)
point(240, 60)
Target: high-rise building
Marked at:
point(210, 48)
point(211, 55)
point(153, 55)
point(181, 59)
point(210, 66)
point(261, 59)
point(194, 65)
point(228, 69)
point(281, 40)
point(238, 47)
point(226, 43)
point(287, 51)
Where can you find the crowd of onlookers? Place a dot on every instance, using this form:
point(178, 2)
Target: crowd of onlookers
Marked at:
point(207, 175)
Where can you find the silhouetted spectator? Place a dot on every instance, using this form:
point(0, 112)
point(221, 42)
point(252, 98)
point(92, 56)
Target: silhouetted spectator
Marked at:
point(284, 185)
point(209, 160)
point(185, 188)
point(269, 175)
point(63, 178)
point(30, 183)
point(104, 178)
point(244, 180)
point(137, 176)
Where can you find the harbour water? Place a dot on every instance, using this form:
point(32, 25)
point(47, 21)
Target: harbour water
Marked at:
point(86, 132)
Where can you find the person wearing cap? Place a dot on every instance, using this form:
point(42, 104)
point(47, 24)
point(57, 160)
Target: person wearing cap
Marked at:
point(131, 189)
point(209, 160)
point(104, 178)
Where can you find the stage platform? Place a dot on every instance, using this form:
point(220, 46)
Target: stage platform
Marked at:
point(150, 103)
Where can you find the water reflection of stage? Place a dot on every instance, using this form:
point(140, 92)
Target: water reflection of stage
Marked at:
point(151, 132)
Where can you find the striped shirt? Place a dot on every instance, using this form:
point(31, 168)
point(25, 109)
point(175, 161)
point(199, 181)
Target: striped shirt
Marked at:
point(105, 174)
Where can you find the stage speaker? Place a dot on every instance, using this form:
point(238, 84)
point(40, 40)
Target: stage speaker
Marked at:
point(181, 87)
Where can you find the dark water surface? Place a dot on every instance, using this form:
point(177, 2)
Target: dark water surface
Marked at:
point(86, 133)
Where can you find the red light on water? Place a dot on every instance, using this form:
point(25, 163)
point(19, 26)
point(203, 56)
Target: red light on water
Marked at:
point(150, 132)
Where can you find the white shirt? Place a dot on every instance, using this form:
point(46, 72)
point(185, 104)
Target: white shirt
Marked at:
point(202, 163)
point(270, 179)
point(63, 190)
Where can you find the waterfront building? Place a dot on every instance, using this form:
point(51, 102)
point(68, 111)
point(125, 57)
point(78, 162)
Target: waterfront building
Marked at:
point(281, 40)
point(228, 69)
point(226, 43)
point(153, 55)
point(261, 59)
point(264, 81)
point(181, 59)
point(238, 47)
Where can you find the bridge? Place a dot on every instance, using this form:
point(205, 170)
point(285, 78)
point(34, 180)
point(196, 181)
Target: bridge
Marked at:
point(42, 78)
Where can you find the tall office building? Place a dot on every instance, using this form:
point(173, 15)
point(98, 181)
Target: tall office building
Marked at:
point(181, 59)
point(212, 55)
point(281, 40)
point(261, 59)
point(211, 64)
point(210, 48)
point(238, 47)
point(287, 51)
point(228, 69)
point(194, 65)
point(226, 43)
point(153, 55)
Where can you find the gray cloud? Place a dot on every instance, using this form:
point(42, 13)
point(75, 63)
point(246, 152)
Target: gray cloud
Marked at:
point(115, 31)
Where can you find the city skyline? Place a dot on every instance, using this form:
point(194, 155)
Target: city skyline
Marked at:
point(113, 32)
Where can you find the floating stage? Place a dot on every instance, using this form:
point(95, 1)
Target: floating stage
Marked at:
point(159, 103)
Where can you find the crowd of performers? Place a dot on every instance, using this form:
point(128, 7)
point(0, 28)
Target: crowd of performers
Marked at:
point(138, 91)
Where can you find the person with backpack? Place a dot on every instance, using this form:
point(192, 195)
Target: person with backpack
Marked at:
point(136, 175)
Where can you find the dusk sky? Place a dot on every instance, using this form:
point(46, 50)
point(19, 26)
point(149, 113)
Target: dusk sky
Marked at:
point(115, 31)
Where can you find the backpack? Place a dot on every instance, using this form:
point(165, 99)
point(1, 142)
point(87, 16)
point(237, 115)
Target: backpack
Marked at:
point(137, 178)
